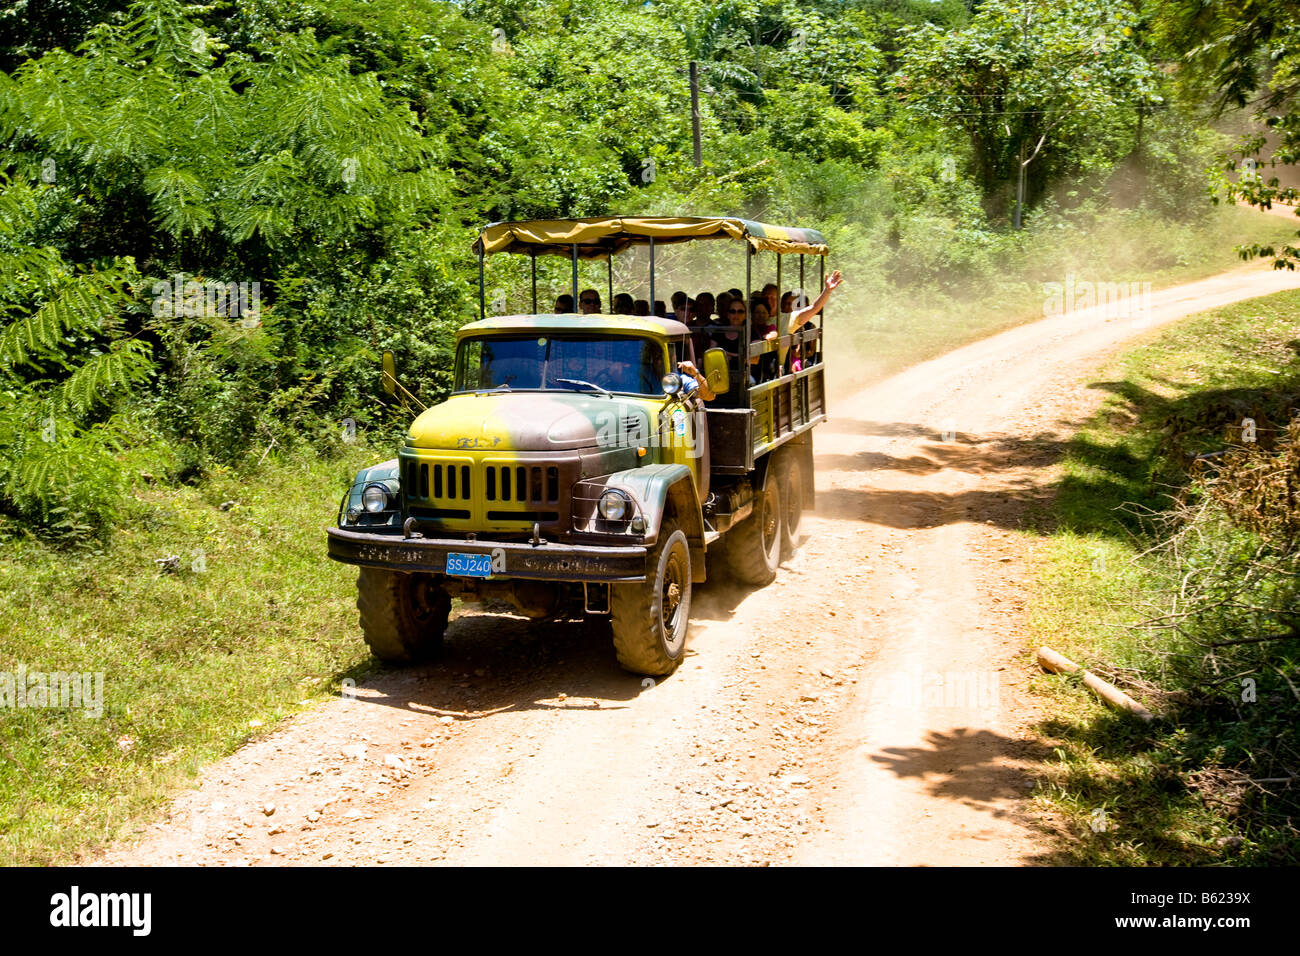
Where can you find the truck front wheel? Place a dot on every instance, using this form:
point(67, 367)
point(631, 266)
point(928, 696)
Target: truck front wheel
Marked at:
point(650, 619)
point(403, 616)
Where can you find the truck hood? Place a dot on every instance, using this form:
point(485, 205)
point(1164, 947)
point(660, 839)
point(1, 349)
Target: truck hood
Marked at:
point(534, 421)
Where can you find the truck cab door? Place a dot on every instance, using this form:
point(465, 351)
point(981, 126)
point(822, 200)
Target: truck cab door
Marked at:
point(685, 428)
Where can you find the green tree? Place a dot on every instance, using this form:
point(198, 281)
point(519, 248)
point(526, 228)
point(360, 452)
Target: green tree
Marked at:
point(158, 144)
point(1028, 79)
point(1244, 55)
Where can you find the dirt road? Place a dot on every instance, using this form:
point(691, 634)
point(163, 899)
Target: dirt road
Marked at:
point(870, 706)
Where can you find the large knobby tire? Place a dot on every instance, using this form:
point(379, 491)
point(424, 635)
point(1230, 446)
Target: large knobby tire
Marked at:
point(789, 479)
point(403, 616)
point(754, 545)
point(650, 618)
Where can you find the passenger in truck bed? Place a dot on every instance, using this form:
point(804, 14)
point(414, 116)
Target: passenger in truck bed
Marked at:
point(802, 319)
point(763, 367)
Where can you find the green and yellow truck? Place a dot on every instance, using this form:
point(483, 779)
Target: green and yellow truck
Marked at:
point(574, 471)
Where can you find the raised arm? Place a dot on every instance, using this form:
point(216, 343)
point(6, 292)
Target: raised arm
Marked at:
point(799, 316)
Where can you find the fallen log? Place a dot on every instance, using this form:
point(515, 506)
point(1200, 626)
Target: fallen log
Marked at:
point(1050, 660)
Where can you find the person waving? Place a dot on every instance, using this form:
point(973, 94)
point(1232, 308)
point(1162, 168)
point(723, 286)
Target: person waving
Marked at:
point(801, 319)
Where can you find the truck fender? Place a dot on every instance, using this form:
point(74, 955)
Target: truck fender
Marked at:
point(385, 473)
point(799, 451)
point(653, 488)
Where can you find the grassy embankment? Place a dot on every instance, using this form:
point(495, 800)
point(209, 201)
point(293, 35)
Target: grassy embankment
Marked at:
point(194, 662)
point(1177, 581)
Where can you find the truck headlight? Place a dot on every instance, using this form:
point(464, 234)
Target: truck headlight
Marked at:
point(375, 498)
point(613, 505)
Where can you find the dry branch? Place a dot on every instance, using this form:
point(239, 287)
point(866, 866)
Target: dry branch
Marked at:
point(1056, 663)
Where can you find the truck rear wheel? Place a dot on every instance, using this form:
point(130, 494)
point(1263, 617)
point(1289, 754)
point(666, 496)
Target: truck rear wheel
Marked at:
point(403, 616)
point(754, 545)
point(789, 478)
point(649, 619)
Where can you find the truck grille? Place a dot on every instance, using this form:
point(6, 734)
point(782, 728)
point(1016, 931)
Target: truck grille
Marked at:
point(527, 483)
point(470, 494)
point(439, 481)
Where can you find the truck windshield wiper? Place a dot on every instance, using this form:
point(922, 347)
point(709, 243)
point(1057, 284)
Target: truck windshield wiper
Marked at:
point(591, 385)
point(503, 385)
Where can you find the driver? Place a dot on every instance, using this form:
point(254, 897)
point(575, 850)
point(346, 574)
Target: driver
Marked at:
point(589, 368)
point(572, 366)
point(694, 383)
point(616, 376)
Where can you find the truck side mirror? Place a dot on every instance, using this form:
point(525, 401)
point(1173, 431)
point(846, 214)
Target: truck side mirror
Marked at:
point(716, 372)
point(388, 379)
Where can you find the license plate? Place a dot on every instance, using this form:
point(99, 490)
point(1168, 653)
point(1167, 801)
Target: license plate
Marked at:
point(469, 565)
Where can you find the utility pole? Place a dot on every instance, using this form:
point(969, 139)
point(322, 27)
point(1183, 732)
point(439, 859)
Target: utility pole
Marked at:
point(1020, 156)
point(695, 111)
point(1020, 182)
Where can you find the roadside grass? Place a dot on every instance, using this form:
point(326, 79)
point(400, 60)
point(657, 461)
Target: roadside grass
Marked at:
point(194, 662)
point(876, 332)
point(1178, 791)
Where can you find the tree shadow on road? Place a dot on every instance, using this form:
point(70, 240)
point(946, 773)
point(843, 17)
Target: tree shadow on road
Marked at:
point(966, 765)
point(1008, 464)
point(977, 768)
point(1010, 509)
point(1141, 461)
point(863, 426)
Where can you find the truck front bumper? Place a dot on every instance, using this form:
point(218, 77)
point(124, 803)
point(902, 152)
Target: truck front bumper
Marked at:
point(548, 561)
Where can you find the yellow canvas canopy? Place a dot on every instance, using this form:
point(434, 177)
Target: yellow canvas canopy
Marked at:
point(601, 236)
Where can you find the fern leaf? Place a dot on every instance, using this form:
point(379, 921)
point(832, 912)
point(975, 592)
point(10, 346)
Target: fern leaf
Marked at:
point(126, 364)
point(86, 302)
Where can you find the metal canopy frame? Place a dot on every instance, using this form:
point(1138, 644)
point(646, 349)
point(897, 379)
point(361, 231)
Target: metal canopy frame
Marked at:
point(605, 237)
point(600, 236)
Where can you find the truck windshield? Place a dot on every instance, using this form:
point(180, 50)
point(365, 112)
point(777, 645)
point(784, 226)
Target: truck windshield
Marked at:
point(560, 363)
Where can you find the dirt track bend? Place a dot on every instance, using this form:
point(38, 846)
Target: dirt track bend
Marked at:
point(808, 724)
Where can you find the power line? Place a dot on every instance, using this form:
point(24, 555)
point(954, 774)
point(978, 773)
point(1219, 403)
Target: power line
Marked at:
point(1071, 109)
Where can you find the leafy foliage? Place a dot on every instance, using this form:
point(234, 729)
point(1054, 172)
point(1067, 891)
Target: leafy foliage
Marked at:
point(63, 354)
point(1026, 78)
point(336, 156)
point(1244, 54)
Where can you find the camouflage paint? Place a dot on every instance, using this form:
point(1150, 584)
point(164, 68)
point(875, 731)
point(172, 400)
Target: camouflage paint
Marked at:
point(502, 462)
